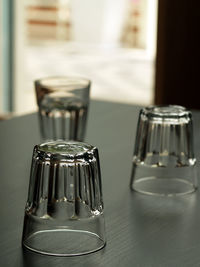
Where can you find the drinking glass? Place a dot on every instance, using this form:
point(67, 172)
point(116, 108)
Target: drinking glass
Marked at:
point(64, 211)
point(63, 106)
point(163, 160)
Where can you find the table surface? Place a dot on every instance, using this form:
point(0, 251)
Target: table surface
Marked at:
point(141, 230)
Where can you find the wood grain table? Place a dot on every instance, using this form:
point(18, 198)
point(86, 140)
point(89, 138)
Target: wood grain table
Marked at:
point(141, 230)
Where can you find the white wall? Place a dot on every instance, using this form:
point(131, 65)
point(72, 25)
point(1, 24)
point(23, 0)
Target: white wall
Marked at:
point(98, 21)
point(114, 15)
point(151, 35)
point(87, 19)
point(102, 21)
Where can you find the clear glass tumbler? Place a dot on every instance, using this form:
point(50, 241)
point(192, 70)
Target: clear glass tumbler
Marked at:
point(163, 161)
point(64, 210)
point(63, 106)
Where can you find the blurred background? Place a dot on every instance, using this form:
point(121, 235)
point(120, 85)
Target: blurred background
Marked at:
point(112, 42)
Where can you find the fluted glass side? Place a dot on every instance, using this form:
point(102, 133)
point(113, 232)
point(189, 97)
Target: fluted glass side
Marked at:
point(64, 210)
point(163, 160)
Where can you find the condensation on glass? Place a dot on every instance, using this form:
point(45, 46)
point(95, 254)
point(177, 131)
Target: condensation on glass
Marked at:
point(64, 211)
point(163, 160)
point(63, 106)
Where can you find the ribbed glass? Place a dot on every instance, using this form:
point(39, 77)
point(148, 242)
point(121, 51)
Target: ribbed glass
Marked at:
point(64, 210)
point(63, 106)
point(163, 160)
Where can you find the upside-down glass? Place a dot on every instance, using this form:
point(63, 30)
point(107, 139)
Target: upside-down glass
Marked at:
point(64, 210)
point(163, 161)
point(63, 106)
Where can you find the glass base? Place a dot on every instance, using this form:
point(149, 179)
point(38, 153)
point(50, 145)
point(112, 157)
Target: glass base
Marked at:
point(64, 242)
point(163, 186)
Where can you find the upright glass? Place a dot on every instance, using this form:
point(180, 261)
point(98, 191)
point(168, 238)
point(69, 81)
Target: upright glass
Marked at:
point(63, 106)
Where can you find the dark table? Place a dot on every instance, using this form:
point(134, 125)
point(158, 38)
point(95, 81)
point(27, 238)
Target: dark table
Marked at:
point(141, 230)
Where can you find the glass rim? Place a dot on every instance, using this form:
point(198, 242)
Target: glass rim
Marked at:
point(60, 81)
